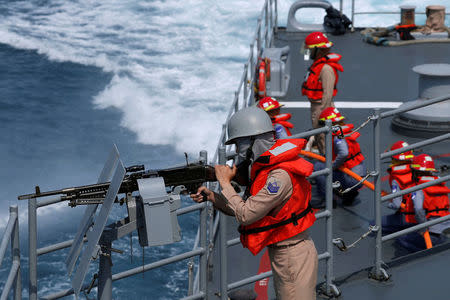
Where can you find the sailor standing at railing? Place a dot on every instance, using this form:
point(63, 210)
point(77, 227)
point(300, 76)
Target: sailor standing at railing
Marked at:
point(430, 203)
point(321, 79)
point(275, 211)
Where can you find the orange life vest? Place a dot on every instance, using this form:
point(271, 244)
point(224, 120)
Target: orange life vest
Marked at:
point(436, 200)
point(282, 120)
point(355, 156)
point(403, 175)
point(312, 86)
point(296, 215)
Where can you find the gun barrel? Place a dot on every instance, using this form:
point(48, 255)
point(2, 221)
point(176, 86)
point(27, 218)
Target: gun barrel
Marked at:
point(36, 195)
point(91, 188)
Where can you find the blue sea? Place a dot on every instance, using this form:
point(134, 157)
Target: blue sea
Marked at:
point(156, 78)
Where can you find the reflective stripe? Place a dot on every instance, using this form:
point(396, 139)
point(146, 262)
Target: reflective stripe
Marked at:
point(398, 168)
point(330, 56)
point(283, 148)
point(428, 178)
point(329, 44)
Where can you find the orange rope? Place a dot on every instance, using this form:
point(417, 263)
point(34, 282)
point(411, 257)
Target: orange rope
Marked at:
point(345, 170)
point(427, 238)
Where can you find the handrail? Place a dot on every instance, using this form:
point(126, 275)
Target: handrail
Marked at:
point(408, 106)
point(247, 80)
point(12, 234)
point(380, 273)
point(416, 145)
point(7, 235)
point(415, 228)
point(34, 205)
point(415, 188)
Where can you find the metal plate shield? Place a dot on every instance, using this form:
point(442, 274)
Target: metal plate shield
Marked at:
point(97, 230)
point(88, 216)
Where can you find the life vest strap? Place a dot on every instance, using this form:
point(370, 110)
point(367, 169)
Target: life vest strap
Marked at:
point(436, 210)
point(293, 219)
point(353, 156)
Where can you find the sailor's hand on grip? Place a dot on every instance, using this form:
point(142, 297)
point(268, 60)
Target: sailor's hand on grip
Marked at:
point(224, 173)
point(203, 194)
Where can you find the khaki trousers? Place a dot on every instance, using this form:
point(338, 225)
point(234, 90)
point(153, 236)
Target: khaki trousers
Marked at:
point(295, 271)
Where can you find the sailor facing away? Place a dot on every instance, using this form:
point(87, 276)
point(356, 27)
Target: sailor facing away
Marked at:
point(279, 121)
point(430, 203)
point(400, 178)
point(275, 211)
point(346, 153)
point(321, 78)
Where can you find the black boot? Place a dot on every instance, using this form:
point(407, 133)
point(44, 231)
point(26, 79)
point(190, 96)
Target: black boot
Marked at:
point(349, 197)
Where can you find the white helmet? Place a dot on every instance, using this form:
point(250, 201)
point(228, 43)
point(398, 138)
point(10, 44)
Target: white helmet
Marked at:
point(249, 121)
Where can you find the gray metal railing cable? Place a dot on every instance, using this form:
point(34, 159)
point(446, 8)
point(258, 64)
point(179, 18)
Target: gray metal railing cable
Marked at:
point(340, 244)
point(369, 174)
point(369, 118)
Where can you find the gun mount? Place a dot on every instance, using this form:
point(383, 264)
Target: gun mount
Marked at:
point(152, 198)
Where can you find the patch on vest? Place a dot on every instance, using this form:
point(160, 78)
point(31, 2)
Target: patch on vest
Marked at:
point(273, 186)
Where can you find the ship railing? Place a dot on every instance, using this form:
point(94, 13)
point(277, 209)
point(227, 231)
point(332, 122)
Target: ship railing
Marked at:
point(220, 223)
point(353, 13)
point(12, 234)
point(199, 250)
point(263, 37)
point(379, 272)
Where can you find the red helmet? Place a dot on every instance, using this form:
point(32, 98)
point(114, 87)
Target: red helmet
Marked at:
point(269, 103)
point(331, 113)
point(423, 162)
point(317, 40)
point(407, 155)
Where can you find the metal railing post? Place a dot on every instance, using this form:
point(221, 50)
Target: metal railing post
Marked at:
point(377, 192)
point(32, 248)
point(266, 19)
point(104, 288)
point(252, 75)
point(15, 250)
point(245, 82)
point(271, 35)
point(276, 16)
point(258, 38)
point(223, 241)
point(329, 205)
point(203, 269)
point(353, 16)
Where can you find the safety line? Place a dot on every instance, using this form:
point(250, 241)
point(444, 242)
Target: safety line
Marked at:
point(345, 104)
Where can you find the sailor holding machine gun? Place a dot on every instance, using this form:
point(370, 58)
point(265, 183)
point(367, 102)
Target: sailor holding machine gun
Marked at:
point(275, 211)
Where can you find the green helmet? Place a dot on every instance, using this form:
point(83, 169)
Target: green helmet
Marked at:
point(249, 121)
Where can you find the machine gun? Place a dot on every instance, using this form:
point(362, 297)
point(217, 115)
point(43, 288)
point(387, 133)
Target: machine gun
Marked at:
point(188, 178)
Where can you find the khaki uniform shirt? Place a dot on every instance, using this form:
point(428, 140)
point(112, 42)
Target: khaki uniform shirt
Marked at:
point(328, 79)
point(268, 201)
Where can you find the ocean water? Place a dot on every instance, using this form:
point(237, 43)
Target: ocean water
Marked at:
point(154, 77)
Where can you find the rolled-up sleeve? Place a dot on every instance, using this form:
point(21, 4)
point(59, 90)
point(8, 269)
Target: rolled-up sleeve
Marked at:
point(277, 189)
